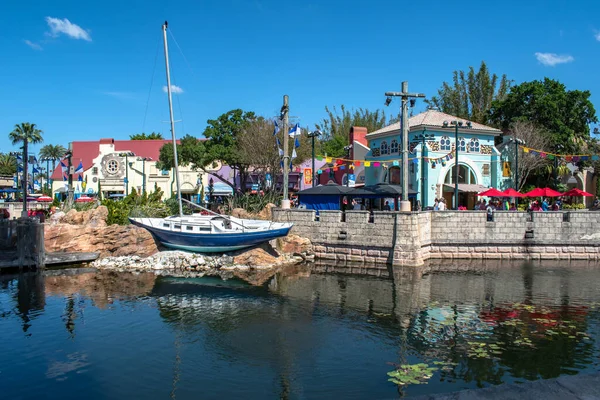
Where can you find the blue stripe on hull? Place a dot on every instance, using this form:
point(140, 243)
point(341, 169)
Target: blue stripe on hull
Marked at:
point(208, 242)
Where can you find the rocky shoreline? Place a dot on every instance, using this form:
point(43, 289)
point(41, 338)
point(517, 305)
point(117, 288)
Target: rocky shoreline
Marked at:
point(132, 249)
point(193, 265)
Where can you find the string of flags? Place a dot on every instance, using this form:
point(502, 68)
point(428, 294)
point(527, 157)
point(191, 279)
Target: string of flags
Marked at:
point(340, 163)
point(294, 132)
point(575, 158)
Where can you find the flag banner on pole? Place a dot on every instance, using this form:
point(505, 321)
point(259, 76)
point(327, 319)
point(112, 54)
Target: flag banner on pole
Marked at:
point(79, 169)
point(65, 178)
point(63, 167)
point(294, 155)
point(280, 151)
point(19, 169)
point(297, 143)
point(276, 130)
point(19, 158)
point(35, 170)
point(295, 131)
point(80, 178)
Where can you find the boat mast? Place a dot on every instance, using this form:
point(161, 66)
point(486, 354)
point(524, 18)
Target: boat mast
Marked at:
point(164, 29)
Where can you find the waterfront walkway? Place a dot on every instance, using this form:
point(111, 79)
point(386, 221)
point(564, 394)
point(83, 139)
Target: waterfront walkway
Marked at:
point(583, 386)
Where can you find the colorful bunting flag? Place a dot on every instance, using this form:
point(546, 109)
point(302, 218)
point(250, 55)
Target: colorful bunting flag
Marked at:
point(367, 163)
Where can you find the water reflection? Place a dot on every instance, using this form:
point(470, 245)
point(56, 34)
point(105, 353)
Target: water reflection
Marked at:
point(304, 334)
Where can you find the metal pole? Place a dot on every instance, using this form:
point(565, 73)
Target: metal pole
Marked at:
point(144, 174)
point(25, 179)
point(423, 173)
point(456, 165)
point(70, 179)
point(164, 29)
point(405, 145)
point(516, 165)
point(285, 203)
point(314, 174)
point(126, 175)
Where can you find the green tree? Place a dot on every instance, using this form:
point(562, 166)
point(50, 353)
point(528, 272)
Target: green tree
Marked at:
point(52, 152)
point(190, 151)
point(222, 142)
point(25, 133)
point(144, 136)
point(564, 114)
point(336, 127)
point(8, 165)
point(470, 95)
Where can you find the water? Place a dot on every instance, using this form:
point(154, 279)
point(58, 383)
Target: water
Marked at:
point(99, 335)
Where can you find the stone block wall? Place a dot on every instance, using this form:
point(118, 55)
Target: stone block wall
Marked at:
point(410, 238)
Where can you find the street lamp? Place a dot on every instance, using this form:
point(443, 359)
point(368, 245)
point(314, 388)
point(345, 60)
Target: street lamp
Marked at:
point(126, 155)
point(406, 97)
point(312, 136)
point(423, 137)
point(456, 124)
point(143, 160)
point(517, 142)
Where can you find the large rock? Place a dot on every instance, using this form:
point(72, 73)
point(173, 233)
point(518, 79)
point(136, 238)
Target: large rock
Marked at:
point(256, 257)
point(294, 244)
point(86, 231)
point(113, 240)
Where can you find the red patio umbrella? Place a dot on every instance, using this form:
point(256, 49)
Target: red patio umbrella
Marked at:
point(44, 199)
point(543, 192)
point(491, 193)
point(84, 199)
point(510, 192)
point(577, 192)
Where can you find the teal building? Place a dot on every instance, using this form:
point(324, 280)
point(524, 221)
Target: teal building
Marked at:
point(432, 139)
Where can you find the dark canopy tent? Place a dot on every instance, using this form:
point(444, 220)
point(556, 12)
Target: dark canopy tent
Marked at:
point(380, 191)
point(323, 197)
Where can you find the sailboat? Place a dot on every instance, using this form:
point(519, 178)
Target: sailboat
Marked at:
point(206, 232)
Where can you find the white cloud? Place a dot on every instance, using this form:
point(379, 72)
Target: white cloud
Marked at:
point(597, 36)
point(64, 26)
point(174, 89)
point(551, 59)
point(34, 46)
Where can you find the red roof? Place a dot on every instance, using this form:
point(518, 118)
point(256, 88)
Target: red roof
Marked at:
point(85, 152)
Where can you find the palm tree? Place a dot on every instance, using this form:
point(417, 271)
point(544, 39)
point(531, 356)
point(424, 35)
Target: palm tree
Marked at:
point(25, 133)
point(52, 152)
point(8, 164)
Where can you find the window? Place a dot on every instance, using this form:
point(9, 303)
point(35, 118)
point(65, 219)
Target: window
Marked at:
point(95, 171)
point(394, 147)
point(445, 143)
point(164, 172)
point(384, 148)
point(112, 167)
point(486, 170)
point(189, 228)
point(462, 144)
point(474, 145)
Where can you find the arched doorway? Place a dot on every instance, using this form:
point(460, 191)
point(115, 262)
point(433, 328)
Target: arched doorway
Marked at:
point(466, 175)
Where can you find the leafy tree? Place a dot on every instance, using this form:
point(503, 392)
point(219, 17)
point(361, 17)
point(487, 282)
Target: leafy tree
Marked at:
point(336, 127)
point(222, 143)
point(25, 133)
point(8, 165)
point(53, 152)
point(470, 95)
point(144, 136)
point(189, 151)
point(564, 114)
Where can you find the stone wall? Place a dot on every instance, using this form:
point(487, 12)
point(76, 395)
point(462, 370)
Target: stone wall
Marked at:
point(411, 238)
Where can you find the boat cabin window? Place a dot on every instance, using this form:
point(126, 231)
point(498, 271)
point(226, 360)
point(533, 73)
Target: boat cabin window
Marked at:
point(166, 225)
point(189, 228)
point(177, 227)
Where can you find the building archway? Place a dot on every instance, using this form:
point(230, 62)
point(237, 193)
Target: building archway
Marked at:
point(466, 175)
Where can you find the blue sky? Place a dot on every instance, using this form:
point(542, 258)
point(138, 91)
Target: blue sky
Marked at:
point(82, 70)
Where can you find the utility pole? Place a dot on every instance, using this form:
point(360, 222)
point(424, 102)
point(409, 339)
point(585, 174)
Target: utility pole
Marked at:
point(70, 178)
point(406, 97)
point(285, 109)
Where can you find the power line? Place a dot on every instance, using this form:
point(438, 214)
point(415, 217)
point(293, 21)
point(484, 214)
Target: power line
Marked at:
point(151, 83)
